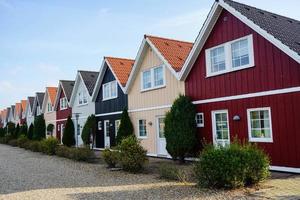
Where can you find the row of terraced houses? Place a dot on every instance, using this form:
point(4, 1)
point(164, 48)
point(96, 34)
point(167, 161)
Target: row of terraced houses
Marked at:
point(242, 73)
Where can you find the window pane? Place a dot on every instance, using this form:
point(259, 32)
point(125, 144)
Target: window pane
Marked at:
point(217, 57)
point(161, 127)
point(113, 89)
point(142, 128)
point(106, 91)
point(158, 76)
point(260, 124)
point(240, 53)
point(146, 79)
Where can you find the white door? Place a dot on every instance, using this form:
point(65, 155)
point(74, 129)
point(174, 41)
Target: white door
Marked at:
point(161, 140)
point(220, 127)
point(106, 134)
point(61, 132)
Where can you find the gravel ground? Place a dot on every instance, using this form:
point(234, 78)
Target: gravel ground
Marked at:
point(28, 175)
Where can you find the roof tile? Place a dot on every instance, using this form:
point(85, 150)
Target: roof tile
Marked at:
point(52, 93)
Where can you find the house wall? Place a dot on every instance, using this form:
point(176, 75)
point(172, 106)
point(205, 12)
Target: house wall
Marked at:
point(112, 105)
point(273, 70)
point(152, 98)
point(29, 117)
point(84, 110)
point(50, 117)
point(61, 116)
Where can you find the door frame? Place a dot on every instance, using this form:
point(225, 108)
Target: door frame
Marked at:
point(214, 131)
point(104, 131)
point(157, 135)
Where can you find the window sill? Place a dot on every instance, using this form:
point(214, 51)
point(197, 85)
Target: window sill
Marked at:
point(265, 140)
point(142, 137)
point(63, 109)
point(153, 88)
point(200, 126)
point(84, 104)
point(109, 98)
point(229, 71)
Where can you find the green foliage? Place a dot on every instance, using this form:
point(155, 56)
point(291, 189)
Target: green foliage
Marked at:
point(13, 142)
point(50, 128)
point(132, 155)
point(35, 146)
point(62, 151)
point(231, 167)
point(10, 128)
point(16, 132)
point(22, 140)
point(79, 154)
point(30, 132)
point(180, 128)
point(126, 127)
point(39, 129)
point(49, 145)
point(23, 130)
point(89, 129)
point(2, 132)
point(171, 172)
point(69, 133)
point(111, 157)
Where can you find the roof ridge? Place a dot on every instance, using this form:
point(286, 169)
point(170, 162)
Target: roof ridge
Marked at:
point(119, 58)
point(68, 80)
point(170, 39)
point(87, 71)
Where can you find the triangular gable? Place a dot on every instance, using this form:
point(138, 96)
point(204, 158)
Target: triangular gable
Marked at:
point(209, 23)
point(120, 68)
point(37, 102)
point(29, 105)
point(172, 53)
point(61, 88)
point(49, 94)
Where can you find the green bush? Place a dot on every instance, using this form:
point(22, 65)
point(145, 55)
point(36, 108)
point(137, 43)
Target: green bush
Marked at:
point(180, 128)
point(10, 128)
point(5, 139)
point(30, 132)
point(63, 151)
point(13, 142)
point(50, 129)
point(39, 128)
point(231, 167)
point(22, 140)
point(2, 132)
point(49, 145)
point(89, 129)
point(16, 132)
point(126, 127)
point(23, 130)
point(111, 157)
point(132, 155)
point(82, 154)
point(35, 146)
point(171, 172)
point(69, 133)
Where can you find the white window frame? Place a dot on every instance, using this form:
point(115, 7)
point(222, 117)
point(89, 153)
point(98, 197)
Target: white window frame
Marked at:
point(110, 85)
point(202, 116)
point(83, 97)
point(152, 78)
point(228, 57)
point(251, 139)
point(138, 127)
point(63, 103)
point(215, 140)
point(51, 107)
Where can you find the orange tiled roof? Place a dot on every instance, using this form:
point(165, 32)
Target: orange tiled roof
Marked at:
point(18, 108)
point(23, 103)
point(121, 68)
point(52, 93)
point(174, 51)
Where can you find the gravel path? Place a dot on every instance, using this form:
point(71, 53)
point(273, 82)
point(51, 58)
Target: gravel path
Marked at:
point(28, 175)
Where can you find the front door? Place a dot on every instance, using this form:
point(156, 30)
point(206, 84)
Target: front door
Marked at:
point(220, 127)
point(161, 140)
point(106, 134)
point(61, 132)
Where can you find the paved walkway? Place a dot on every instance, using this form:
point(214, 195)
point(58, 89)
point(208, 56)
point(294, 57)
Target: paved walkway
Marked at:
point(28, 175)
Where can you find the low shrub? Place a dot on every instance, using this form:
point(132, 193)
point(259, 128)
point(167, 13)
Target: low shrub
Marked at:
point(13, 142)
point(111, 157)
point(62, 151)
point(132, 155)
point(170, 172)
point(82, 154)
point(49, 145)
point(231, 167)
point(5, 139)
point(34, 146)
point(22, 140)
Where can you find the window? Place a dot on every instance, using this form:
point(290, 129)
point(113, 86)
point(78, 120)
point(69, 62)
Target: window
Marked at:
point(153, 78)
point(221, 128)
point(63, 103)
point(117, 126)
point(142, 128)
point(230, 56)
point(49, 107)
point(259, 125)
point(161, 127)
point(82, 97)
point(110, 90)
point(200, 119)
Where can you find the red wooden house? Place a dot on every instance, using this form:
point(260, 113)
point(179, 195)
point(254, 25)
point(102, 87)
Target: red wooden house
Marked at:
point(243, 74)
point(61, 106)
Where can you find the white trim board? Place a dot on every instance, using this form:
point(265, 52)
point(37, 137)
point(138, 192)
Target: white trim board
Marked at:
point(112, 113)
point(285, 169)
point(250, 95)
point(150, 108)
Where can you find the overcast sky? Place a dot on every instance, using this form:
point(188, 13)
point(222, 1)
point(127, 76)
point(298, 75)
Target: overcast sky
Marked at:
point(42, 42)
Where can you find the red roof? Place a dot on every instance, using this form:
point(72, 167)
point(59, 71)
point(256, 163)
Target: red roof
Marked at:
point(23, 103)
point(18, 108)
point(121, 67)
point(174, 51)
point(52, 93)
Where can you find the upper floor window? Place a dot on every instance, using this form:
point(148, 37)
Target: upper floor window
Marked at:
point(153, 78)
point(63, 103)
point(49, 107)
point(230, 56)
point(82, 97)
point(110, 90)
point(259, 125)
